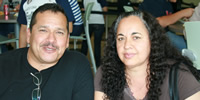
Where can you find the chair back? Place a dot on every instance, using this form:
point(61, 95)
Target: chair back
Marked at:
point(86, 36)
point(88, 11)
point(128, 8)
point(86, 27)
point(193, 39)
point(4, 40)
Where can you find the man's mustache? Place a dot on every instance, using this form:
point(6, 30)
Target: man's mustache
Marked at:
point(50, 44)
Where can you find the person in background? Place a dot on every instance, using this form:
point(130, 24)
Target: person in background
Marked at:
point(137, 61)
point(29, 6)
point(46, 70)
point(163, 11)
point(6, 29)
point(121, 4)
point(78, 22)
point(96, 26)
point(196, 15)
point(1, 4)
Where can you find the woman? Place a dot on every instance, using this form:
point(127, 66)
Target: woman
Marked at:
point(137, 60)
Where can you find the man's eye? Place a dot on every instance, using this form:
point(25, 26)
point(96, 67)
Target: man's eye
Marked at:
point(60, 32)
point(43, 30)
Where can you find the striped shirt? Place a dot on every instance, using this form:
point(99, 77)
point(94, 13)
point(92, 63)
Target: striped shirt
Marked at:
point(76, 12)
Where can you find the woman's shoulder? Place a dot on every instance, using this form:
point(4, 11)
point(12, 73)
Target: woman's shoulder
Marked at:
point(187, 83)
point(97, 79)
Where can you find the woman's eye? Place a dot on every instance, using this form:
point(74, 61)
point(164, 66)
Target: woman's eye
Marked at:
point(136, 37)
point(120, 38)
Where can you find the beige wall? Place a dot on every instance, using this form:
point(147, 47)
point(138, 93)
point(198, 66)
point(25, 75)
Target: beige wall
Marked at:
point(193, 1)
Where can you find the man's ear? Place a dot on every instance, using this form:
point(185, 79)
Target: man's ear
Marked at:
point(28, 35)
point(67, 44)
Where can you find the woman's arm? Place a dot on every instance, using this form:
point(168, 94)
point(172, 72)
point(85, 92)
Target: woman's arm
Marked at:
point(98, 95)
point(195, 96)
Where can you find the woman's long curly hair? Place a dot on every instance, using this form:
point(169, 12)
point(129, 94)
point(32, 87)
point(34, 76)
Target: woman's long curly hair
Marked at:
point(113, 79)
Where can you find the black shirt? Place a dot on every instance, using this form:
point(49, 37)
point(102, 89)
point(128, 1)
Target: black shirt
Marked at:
point(69, 79)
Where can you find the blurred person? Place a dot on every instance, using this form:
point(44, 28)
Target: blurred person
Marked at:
point(196, 15)
point(6, 29)
point(122, 3)
point(96, 26)
point(46, 70)
point(137, 60)
point(78, 22)
point(29, 6)
point(163, 11)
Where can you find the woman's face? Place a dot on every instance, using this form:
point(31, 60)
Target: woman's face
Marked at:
point(133, 44)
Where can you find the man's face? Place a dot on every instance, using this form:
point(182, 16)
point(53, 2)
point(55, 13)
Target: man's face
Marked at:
point(48, 39)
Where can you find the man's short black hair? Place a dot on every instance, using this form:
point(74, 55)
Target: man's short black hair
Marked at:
point(53, 7)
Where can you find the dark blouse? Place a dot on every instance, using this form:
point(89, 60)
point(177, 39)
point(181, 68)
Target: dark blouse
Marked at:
point(187, 86)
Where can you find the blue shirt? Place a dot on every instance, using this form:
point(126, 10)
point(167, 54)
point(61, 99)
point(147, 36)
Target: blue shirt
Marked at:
point(156, 7)
point(103, 3)
point(63, 3)
point(76, 12)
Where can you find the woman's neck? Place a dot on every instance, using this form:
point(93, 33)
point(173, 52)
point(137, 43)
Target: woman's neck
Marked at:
point(137, 81)
point(137, 72)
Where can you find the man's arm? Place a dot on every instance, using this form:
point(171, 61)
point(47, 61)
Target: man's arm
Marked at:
point(1, 1)
point(70, 27)
point(105, 9)
point(84, 85)
point(172, 18)
point(22, 36)
point(23, 22)
point(68, 11)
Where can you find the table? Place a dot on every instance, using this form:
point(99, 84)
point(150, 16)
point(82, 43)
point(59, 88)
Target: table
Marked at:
point(10, 19)
point(177, 28)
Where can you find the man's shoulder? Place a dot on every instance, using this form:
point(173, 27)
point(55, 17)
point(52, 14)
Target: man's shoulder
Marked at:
point(12, 59)
point(74, 60)
point(13, 54)
point(74, 55)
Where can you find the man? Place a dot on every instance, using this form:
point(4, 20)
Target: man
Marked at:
point(196, 15)
point(29, 6)
point(121, 4)
point(45, 69)
point(163, 11)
